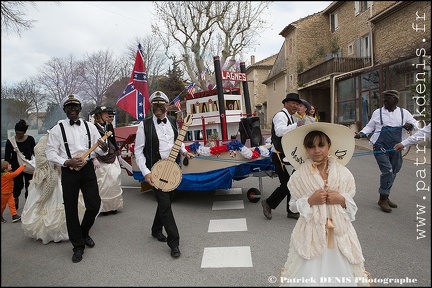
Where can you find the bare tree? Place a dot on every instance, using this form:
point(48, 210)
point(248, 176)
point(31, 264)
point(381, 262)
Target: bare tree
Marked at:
point(61, 77)
point(203, 29)
point(101, 71)
point(12, 16)
point(28, 93)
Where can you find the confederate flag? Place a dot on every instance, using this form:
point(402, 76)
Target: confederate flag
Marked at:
point(135, 98)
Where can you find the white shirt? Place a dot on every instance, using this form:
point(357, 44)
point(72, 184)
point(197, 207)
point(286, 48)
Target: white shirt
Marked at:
point(165, 133)
point(419, 136)
point(280, 121)
point(78, 142)
point(392, 119)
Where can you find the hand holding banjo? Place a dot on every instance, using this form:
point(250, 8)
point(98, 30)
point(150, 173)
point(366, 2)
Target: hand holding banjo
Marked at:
point(166, 173)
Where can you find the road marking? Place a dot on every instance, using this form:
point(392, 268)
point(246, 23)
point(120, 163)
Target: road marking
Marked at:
point(221, 257)
point(227, 225)
point(231, 191)
point(227, 205)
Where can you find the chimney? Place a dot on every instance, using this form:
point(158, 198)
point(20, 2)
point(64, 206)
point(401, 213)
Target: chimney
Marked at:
point(252, 59)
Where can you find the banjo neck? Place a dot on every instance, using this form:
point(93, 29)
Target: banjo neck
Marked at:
point(177, 144)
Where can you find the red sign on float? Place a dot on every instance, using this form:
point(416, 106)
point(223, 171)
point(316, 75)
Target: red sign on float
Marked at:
point(234, 76)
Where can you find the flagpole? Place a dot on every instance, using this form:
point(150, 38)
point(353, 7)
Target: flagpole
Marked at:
point(177, 96)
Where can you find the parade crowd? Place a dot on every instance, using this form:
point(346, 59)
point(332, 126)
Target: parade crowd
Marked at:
point(76, 177)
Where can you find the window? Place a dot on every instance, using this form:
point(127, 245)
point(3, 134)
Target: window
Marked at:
point(334, 24)
point(365, 46)
point(370, 80)
point(410, 103)
point(204, 107)
point(198, 134)
point(346, 101)
point(409, 79)
point(215, 106)
point(188, 136)
point(360, 6)
point(290, 46)
point(351, 49)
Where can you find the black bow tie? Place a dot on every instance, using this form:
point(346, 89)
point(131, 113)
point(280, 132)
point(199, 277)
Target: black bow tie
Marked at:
point(71, 122)
point(163, 120)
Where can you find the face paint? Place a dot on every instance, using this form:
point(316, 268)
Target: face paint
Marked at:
point(158, 106)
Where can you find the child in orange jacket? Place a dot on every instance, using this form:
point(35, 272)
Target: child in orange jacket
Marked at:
point(7, 189)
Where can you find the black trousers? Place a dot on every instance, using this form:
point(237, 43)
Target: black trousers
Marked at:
point(72, 182)
point(21, 181)
point(164, 217)
point(282, 191)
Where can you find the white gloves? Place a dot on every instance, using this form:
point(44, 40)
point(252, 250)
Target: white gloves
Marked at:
point(96, 163)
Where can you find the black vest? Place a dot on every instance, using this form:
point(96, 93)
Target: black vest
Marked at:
point(151, 148)
point(277, 141)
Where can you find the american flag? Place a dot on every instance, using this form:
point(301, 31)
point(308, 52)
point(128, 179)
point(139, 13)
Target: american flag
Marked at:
point(176, 102)
point(135, 97)
point(191, 89)
point(203, 74)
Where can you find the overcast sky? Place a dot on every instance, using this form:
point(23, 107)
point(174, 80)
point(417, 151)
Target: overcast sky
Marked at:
point(76, 28)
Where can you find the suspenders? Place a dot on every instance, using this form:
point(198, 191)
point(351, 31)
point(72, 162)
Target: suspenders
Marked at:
point(65, 139)
point(382, 120)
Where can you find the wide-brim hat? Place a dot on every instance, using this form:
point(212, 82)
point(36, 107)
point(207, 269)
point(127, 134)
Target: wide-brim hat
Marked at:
point(71, 99)
point(109, 110)
point(100, 109)
point(292, 97)
point(341, 148)
point(158, 97)
point(97, 110)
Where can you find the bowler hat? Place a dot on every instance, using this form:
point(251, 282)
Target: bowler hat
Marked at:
point(292, 97)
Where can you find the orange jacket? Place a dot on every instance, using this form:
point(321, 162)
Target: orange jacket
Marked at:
point(7, 180)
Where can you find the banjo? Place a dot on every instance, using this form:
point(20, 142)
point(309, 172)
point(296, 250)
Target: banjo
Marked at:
point(84, 156)
point(166, 173)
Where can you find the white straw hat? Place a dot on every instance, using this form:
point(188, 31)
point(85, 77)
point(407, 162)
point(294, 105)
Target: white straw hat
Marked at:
point(341, 148)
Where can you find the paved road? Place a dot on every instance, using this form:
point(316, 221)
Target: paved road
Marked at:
point(395, 245)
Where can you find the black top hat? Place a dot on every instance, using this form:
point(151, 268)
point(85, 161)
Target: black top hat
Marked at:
point(292, 97)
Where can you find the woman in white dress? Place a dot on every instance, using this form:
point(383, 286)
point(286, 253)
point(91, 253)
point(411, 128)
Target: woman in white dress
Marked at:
point(108, 170)
point(324, 247)
point(43, 216)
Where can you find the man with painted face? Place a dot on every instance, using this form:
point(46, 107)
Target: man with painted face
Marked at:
point(386, 127)
point(67, 141)
point(154, 140)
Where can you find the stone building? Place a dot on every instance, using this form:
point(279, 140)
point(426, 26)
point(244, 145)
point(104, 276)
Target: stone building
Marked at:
point(342, 58)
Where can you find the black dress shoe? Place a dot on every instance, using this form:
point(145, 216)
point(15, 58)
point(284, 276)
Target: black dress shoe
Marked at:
point(293, 215)
point(89, 242)
point(77, 256)
point(160, 237)
point(175, 252)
